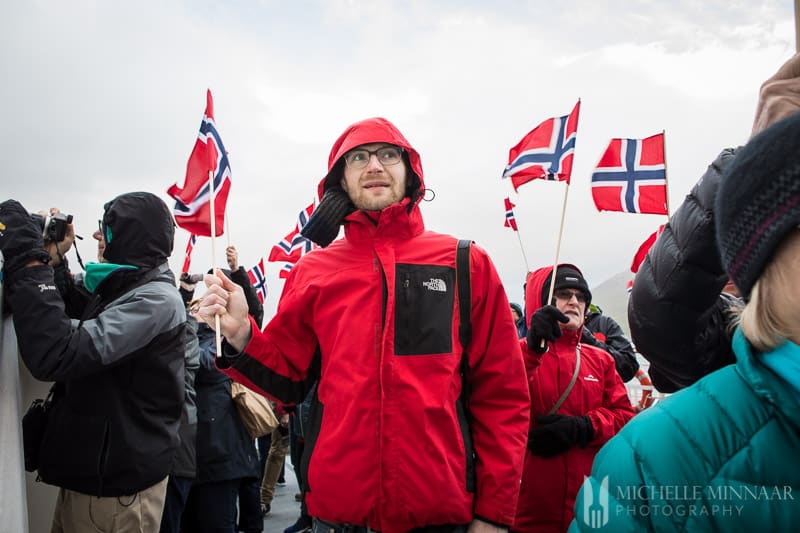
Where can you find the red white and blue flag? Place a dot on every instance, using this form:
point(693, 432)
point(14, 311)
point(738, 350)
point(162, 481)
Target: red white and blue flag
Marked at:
point(292, 247)
point(258, 280)
point(188, 257)
point(283, 273)
point(546, 152)
point(641, 253)
point(193, 202)
point(511, 222)
point(632, 177)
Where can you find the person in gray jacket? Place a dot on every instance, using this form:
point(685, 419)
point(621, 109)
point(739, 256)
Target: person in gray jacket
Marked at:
point(119, 364)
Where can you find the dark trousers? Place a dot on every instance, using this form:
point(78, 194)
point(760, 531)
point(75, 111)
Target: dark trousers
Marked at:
point(211, 507)
point(175, 502)
point(250, 518)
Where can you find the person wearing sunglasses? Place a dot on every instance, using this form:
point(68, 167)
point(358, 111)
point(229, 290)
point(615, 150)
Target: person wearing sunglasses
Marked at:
point(578, 401)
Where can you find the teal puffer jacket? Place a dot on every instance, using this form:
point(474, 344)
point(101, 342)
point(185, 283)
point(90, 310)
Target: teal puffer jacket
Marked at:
point(721, 455)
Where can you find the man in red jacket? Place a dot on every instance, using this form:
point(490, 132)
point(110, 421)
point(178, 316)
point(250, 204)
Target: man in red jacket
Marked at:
point(395, 442)
point(578, 401)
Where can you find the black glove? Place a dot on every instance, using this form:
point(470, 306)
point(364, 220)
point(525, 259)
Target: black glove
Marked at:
point(555, 434)
point(544, 327)
point(20, 237)
point(186, 288)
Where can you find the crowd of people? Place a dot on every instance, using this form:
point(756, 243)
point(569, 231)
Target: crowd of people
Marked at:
point(412, 395)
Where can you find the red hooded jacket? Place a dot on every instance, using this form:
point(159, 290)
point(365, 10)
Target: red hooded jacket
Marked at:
point(376, 316)
point(550, 485)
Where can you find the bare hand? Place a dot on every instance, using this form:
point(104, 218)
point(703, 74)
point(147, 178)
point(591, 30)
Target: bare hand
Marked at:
point(226, 299)
point(779, 96)
point(479, 526)
point(233, 258)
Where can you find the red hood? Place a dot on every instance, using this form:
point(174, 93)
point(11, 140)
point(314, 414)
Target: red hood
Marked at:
point(371, 130)
point(533, 289)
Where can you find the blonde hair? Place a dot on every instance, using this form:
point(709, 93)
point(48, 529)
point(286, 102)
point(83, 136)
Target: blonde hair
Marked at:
point(770, 316)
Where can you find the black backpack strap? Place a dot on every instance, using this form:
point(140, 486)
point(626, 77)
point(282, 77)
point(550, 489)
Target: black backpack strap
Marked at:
point(464, 308)
point(464, 293)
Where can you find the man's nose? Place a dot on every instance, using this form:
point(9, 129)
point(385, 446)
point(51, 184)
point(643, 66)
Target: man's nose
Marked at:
point(96, 235)
point(373, 163)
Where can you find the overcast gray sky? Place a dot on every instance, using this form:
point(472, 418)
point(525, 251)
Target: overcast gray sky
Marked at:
point(102, 98)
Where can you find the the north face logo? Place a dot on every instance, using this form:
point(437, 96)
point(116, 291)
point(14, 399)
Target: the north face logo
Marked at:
point(435, 284)
point(590, 378)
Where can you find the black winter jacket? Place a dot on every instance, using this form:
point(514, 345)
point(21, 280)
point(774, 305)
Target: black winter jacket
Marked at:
point(605, 333)
point(677, 315)
point(114, 431)
point(225, 449)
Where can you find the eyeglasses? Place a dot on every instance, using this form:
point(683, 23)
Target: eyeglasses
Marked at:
point(387, 156)
point(567, 294)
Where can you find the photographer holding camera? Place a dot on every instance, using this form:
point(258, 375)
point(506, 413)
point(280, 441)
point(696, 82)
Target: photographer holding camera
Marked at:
point(110, 438)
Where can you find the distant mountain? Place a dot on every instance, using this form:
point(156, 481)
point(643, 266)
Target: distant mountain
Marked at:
point(612, 297)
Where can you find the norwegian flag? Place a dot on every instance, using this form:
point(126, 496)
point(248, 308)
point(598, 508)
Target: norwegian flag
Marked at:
point(294, 245)
point(632, 177)
point(641, 253)
point(193, 202)
point(188, 256)
point(511, 222)
point(546, 152)
point(283, 273)
point(258, 280)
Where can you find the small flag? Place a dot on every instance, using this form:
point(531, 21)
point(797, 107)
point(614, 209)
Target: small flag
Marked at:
point(641, 253)
point(511, 222)
point(258, 280)
point(546, 152)
point(188, 257)
point(193, 202)
point(283, 273)
point(631, 177)
point(294, 245)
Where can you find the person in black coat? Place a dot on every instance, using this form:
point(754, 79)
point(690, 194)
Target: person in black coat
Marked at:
point(226, 453)
point(679, 309)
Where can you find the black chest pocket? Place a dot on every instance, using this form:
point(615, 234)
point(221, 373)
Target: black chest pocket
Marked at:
point(423, 321)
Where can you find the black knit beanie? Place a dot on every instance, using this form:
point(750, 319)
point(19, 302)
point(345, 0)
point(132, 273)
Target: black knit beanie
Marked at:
point(567, 277)
point(758, 201)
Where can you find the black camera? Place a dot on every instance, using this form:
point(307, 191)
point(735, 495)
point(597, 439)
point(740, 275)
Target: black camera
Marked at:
point(191, 278)
point(54, 227)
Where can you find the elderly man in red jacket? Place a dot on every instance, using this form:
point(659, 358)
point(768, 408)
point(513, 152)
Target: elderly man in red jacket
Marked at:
point(395, 444)
point(578, 401)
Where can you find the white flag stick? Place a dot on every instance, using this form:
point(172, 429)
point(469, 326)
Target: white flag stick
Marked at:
point(524, 257)
point(218, 335)
point(666, 181)
point(558, 250)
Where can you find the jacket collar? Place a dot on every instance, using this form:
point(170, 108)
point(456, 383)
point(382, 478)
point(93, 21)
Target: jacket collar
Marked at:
point(764, 381)
point(392, 223)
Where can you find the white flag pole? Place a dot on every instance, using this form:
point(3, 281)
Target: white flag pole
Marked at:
point(558, 250)
point(666, 181)
point(524, 257)
point(797, 25)
point(218, 335)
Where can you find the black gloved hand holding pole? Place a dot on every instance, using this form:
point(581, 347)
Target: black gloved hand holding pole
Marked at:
point(21, 238)
point(556, 434)
point(545, 327)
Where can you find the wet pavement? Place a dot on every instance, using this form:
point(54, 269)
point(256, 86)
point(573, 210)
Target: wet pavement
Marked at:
point(285, 510)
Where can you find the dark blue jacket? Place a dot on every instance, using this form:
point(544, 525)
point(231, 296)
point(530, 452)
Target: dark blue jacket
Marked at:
point(225, 449)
